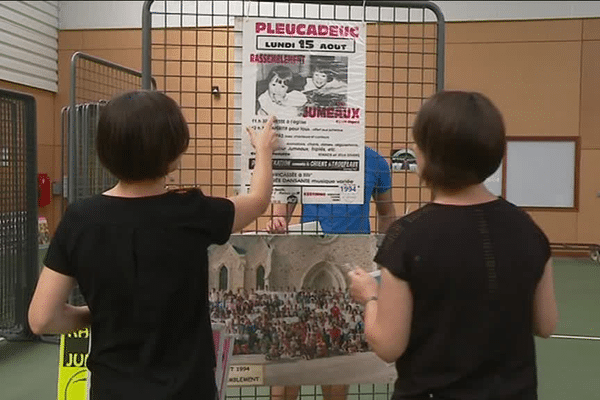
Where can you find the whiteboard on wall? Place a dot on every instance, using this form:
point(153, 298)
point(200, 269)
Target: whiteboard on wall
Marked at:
point(541, 173)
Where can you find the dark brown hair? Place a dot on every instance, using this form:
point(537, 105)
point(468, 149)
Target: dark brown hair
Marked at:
point(462, 138)
point(140, 134)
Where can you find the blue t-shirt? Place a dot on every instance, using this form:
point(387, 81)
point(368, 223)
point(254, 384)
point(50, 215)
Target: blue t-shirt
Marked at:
point(353, 218)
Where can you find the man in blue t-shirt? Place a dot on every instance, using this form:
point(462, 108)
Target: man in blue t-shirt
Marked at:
point(347, 218)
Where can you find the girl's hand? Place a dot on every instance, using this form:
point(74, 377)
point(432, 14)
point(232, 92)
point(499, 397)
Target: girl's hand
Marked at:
point(277, 225)
point(266, 140)
point(363, 286)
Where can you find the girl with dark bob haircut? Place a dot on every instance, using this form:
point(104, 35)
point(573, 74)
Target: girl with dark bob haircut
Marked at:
point(140, 134)
point(461, 135)
point(466, 280)
point(139, 254)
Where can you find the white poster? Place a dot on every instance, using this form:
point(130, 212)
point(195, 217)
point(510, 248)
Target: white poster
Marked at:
point(310, 74)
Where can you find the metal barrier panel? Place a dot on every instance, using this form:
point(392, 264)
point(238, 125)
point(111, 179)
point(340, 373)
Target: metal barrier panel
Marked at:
point(94, 81)
point(193, 50)
point(18, 212)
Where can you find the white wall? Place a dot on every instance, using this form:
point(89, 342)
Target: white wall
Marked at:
point(29, 43)
point(128, 14)
point(510, 10)
point(100, 14)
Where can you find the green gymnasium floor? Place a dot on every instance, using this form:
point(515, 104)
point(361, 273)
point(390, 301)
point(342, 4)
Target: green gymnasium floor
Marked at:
point(568, 364)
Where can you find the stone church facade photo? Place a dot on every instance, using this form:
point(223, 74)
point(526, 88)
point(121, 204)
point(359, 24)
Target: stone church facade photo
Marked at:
point(289, 262)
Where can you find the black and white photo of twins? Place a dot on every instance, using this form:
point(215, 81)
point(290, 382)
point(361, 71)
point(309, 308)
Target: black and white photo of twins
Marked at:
point(285, 90)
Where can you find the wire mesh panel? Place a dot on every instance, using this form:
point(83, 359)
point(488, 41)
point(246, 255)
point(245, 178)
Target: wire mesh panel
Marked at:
point(193, 50)
point(18, 211)
point(90, 177)
point(94, 81)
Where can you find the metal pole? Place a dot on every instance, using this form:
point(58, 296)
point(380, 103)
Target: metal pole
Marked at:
point(147, 46)
point(31, 256)
point(71, 136)
point(441, 46)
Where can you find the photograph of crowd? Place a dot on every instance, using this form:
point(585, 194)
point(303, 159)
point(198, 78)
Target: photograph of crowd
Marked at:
point(296, 324)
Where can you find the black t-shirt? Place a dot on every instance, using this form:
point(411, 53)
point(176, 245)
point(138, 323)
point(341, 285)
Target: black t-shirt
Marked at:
point(142, 267)
point(472, 271)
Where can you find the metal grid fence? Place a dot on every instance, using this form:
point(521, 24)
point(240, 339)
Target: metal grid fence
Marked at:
point(94, 81)
point(193, 50)
point(18, 211)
